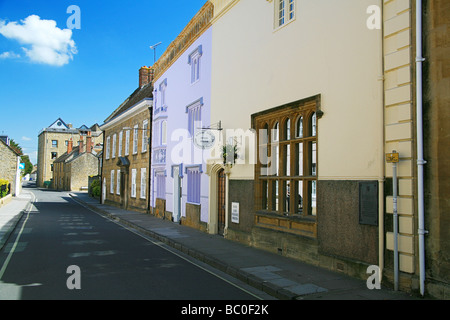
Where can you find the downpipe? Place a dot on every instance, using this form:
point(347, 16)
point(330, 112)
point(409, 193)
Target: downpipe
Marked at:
point(420, 161)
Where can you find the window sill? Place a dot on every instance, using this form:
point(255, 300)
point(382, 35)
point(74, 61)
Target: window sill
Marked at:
point(297, 225)
point(284, 25)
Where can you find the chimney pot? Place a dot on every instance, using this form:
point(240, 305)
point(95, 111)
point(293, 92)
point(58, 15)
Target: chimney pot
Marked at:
point(89, 145)
point(145, 76)
point(69, 146)
point(81, 145)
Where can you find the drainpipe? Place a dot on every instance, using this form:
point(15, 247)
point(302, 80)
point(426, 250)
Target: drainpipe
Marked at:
point(382, 174)
point(394, 189)
point(420, 161)
point(149, 173)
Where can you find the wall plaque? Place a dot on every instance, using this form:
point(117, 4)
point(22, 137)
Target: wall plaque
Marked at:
point(368, 203)
point(235, 212)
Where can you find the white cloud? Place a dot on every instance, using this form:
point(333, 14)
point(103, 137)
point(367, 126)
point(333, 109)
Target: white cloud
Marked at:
point(26, 138)
point(9, 55)
point(46, 42)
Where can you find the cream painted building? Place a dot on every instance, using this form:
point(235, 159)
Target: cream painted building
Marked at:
point(303, 81)
point(314, 94)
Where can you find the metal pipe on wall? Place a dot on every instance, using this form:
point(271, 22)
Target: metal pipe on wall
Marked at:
point(420, 161)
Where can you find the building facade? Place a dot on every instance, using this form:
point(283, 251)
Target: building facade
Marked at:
point(126, 154)
point(306, 118)
point(182, 87)
point(72, 170)
point(9, 167)
point(436, 116)
point(53, 142)
point(271, 125)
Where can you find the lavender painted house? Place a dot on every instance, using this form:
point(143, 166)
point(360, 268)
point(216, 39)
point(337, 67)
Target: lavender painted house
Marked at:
point(182, 87)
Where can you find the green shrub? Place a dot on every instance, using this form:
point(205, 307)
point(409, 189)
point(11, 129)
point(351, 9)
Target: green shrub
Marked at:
point(96, 191)
point(95, 188)
point(4, 188)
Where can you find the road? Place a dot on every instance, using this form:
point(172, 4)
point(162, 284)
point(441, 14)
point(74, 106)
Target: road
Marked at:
point(111, 262)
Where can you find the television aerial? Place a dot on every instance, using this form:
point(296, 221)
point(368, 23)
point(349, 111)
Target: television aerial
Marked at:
point(153, 47)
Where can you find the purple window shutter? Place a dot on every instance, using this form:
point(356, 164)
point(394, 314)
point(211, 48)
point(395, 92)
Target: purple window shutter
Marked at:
point(194, 176)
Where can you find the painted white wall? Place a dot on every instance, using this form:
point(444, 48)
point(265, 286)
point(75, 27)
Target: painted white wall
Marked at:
point(179, 94)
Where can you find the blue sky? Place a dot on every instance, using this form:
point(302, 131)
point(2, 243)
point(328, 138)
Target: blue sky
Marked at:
point(79, 75)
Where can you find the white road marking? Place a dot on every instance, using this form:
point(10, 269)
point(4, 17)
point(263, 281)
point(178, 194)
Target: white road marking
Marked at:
point(11, 252)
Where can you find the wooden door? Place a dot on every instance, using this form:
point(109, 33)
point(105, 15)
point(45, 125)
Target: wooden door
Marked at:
point(221, 201)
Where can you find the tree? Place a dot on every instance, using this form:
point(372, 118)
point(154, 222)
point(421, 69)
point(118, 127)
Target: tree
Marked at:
point(15, 146)
point(24, 158)
point(28, 165)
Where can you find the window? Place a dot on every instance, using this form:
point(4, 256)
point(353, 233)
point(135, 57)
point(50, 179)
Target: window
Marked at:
point(143, 182)
point(118, 183)
point(160, 184)
point(119, 152)
point(127, 142)
point(193, 187)
point(144, 136)
point(54, 155)
point(286, 172)
point(135, 139)
point(284, 12)
point(194, 60)
point(162, 90)
point(194, 112)
point(111, 190)
point(133, 183)
point(54, 143)
point(114, 141)
point(108, 147)
point(164, 132)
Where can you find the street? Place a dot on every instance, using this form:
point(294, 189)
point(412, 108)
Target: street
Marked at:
point(106, 260)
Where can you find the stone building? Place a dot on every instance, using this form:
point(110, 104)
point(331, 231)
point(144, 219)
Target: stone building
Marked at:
point(436, 117)
point(126, 156)
point(53, 142)
point(9, 167)
point(71, 171)
point(312, 96)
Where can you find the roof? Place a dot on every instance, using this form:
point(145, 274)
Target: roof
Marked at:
point(59, 124)
point(3, 142)
point(138, 95)
point(65, 156)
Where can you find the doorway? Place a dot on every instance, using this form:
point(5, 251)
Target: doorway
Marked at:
point(221, 185)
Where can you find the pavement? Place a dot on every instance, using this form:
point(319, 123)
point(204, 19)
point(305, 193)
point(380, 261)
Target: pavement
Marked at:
point(280, 277)
point(11, 213)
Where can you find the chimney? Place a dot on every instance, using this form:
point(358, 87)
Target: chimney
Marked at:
point(145, 76)
point(81, 145)
point(89, 145)
point(69, 146)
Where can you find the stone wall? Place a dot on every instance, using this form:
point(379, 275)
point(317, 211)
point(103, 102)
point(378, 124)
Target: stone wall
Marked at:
point(8, 165)
point(80, 169)
point(137, 161)
point(436, 146)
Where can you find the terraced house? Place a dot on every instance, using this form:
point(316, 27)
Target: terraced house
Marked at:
point(9, 167)
point(71, 171)
point(53, 142)
point(279, 123)
point(126, 153)
point(182, 88)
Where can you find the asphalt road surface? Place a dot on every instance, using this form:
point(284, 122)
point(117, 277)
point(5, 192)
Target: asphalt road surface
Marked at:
point(61, 250)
